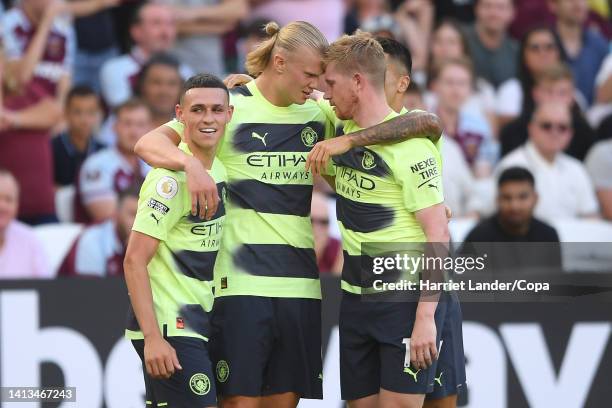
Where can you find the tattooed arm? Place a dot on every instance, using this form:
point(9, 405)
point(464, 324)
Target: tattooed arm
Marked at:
point(406, 126)
point(403, 127)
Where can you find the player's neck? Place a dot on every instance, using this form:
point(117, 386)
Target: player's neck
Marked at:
point(371, 110)
point(268, 86)
point(206, 156)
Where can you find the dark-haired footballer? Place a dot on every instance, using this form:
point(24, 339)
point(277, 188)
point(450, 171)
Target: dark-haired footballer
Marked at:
point(170, 259)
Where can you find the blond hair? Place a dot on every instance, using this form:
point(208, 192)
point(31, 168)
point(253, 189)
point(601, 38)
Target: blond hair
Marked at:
point(359, 52)
point(291, 37)
point(555, 73)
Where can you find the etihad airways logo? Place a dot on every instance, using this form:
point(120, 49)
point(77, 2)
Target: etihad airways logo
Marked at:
point(262, 138)
point(276, 160)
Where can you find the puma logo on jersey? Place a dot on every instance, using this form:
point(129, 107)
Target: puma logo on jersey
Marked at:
point(262, 138)
point(155, 218)
point(433, 186)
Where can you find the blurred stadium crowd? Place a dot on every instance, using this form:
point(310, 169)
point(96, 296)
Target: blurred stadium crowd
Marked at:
point(523, 83)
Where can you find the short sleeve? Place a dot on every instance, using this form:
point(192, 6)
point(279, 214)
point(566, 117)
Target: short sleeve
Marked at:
point(177, 126)
point(160, 206)
point(94, 182)
point(13, 47)
point(417, 167)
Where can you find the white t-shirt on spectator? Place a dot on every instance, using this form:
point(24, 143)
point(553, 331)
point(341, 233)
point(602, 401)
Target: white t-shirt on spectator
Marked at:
point(22, 256)
point(564, 187)
point(509, 99)
point(119, 75)
point(457, 178)
point(97, 250)
point(599, 164)
point(106, 173)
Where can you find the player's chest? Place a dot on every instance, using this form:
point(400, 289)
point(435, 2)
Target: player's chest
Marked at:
point(364, 175)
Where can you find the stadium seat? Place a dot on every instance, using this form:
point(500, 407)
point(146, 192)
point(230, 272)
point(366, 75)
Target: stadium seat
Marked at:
point(57, 240)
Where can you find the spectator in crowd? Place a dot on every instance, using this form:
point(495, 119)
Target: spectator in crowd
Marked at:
point(327, 248)
point(494, 53)
point(554, 84)
point(530, 13)
point(100, 249)
point(70, 148)
point(158, 86)
point(153, 30)
point(39, 46)
point(462, 10)
point(452, 84)
point(449, 42)
point(200, 26)
point(21, 253)
point(514, 220)
point(563, 185)
point(326, 15)
point(416, 19)
point(538, 51)
point(413, 98)
point(95, 37)
point(599, 165)
point(512, 224)
point(251, 35)
point(26, 116)
point(363, 11)
point(114, 169)
point(583, 48)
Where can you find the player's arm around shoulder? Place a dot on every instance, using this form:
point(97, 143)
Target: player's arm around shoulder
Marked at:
point(159, 148)
point(412, 124)
point(159, 209)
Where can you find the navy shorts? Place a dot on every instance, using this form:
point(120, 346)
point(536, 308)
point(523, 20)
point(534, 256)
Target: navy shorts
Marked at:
point(191, 387)
point(374, 347)
point(450, 373)
point(262, 346)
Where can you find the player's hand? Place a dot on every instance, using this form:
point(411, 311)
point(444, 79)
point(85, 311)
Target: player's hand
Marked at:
point(234, 80)
point(202, 188)
point(321, 153)
point(160, 358)
point(423, 350)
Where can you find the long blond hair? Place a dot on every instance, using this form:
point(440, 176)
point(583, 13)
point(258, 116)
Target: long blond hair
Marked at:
point(292, 36)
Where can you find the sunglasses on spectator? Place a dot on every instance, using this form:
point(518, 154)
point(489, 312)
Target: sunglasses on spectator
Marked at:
point(541, 47)
point(558, 127)
point(319, 221)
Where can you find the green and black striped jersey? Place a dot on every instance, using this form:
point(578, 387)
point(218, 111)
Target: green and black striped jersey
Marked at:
point(379, 189)
point(181, 271)
point(268, 246)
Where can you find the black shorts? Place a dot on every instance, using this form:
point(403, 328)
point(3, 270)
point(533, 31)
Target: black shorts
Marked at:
point(191, 387)
point(262, 346)
point(450, 372)
point(374, 347)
